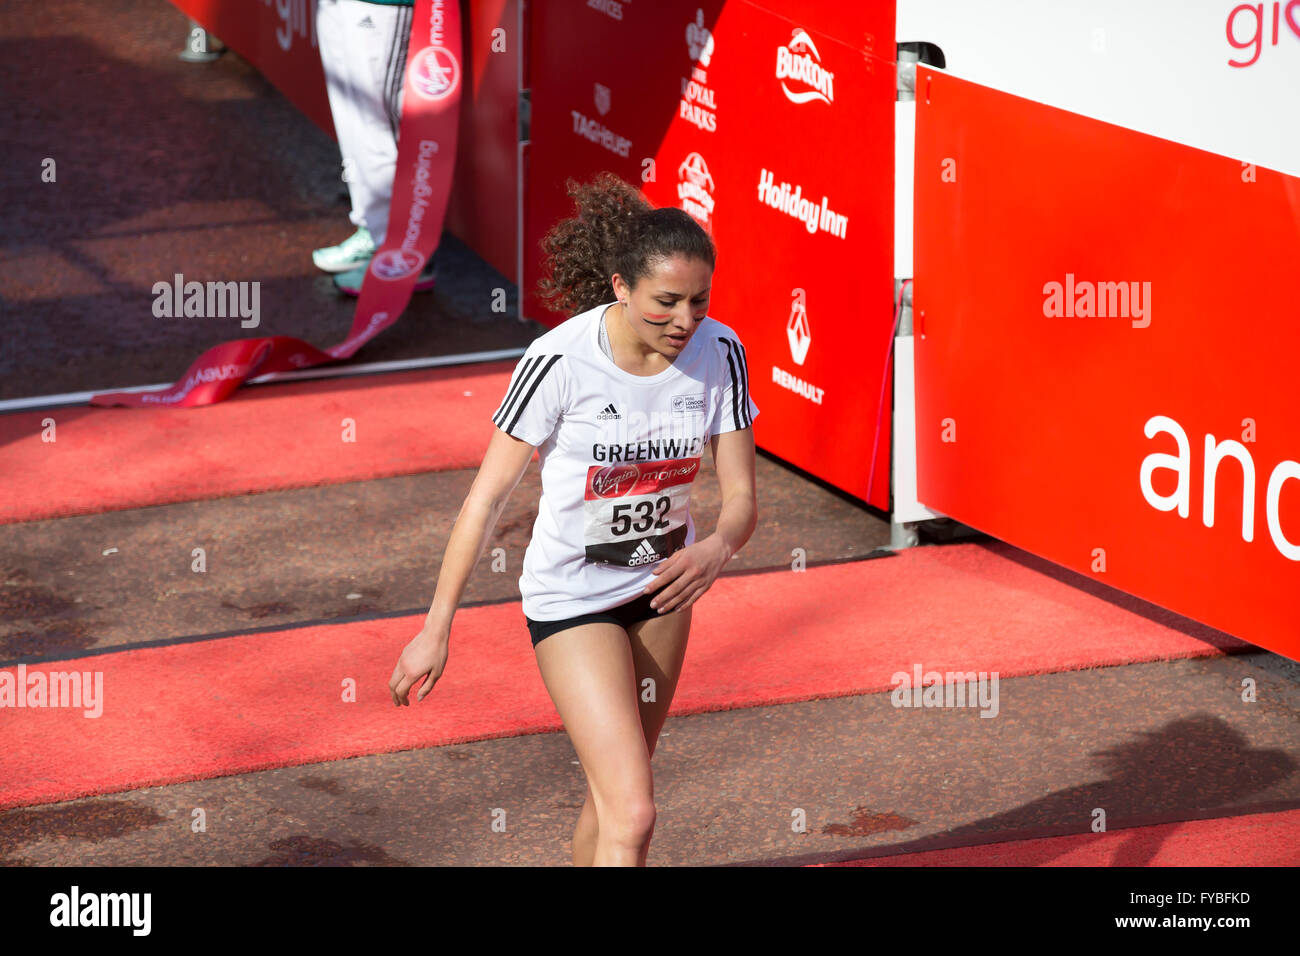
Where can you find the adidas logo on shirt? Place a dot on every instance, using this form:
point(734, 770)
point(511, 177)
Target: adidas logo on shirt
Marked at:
point(367, 22)
point(608, 412)
point(643, 554)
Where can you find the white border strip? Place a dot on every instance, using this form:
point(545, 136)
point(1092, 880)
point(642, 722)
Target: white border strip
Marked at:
point(326, 371)
point(906, 507)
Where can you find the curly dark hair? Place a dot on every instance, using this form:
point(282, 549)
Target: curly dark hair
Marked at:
point(615, 230)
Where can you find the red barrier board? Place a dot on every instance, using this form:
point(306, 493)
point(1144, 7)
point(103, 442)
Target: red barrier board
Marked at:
point(485, 191)
point(773, 126)
point(1154, 449)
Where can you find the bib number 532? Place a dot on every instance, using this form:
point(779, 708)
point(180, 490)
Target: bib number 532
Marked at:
point(636, 513)
point(649, 514)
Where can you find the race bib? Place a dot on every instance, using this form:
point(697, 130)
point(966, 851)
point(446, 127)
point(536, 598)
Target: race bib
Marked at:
point(635, 512)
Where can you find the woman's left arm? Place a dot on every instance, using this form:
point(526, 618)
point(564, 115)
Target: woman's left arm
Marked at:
point(688, 573)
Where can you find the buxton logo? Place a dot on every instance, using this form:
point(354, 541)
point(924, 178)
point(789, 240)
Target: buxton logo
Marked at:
point(800, 63)
point(695, 188)
point(394, 264)
point(615, 480)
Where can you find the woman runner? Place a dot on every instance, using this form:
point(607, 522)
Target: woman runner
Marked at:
point(619, 401)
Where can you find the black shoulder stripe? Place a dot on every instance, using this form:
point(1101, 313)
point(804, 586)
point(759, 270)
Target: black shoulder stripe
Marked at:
point(744, 381)
point(739, 387)
point(536, 380)
point(520, 377)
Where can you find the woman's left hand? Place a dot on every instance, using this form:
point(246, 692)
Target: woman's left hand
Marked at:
point(686, 574)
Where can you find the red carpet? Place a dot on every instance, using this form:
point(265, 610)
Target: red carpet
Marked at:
point(1255, 839)
point(260, 439)
point(239, 704)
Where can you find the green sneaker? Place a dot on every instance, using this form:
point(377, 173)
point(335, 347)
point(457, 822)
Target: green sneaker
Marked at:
point(352, 253)
point(349, 283)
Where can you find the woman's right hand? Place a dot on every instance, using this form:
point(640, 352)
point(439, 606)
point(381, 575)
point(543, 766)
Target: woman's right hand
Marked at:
point(422, 659)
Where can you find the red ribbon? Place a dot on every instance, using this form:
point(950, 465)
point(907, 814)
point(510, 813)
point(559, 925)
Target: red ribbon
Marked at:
point(426, 158)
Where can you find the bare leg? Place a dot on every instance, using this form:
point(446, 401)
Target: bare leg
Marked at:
point(590, 675)
point(658, 651)
point(585, 833)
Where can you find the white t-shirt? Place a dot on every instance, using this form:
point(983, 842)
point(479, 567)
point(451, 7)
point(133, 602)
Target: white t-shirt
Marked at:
point(619, 453)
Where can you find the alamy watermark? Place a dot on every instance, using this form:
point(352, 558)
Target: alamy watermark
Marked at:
point(84, 689)
point(1100, 300)
point(208, 300)
point(951, 689)
point(76, 908)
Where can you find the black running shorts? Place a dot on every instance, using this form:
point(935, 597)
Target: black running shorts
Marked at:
point(637, 609)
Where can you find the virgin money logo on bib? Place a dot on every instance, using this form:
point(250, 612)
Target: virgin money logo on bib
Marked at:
point(615, 481)
point(435, 73)
point(395, 264)
point(637, 513)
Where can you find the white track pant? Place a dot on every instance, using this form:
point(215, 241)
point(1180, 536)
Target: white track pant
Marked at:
point(363, 51)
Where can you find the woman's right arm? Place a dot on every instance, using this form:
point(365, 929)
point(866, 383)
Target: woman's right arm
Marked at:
point(503, 465)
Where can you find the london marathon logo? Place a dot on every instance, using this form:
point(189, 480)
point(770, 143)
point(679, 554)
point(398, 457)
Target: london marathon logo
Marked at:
point(799, 68)
point(695, 189)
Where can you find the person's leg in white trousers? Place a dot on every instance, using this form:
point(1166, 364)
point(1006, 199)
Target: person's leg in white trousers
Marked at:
point(363, 52)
